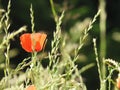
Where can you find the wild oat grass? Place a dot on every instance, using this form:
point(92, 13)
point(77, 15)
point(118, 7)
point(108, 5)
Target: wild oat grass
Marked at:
point(61, 73)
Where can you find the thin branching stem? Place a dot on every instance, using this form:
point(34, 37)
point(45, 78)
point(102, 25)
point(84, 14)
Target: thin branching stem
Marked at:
point(97, 60)
point(7, 25)
point(83, 38)
point(56, 41)
point(11, 36)
point(32, 19)
point(34, 53)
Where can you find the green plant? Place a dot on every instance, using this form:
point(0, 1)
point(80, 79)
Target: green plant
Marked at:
point(62, 72)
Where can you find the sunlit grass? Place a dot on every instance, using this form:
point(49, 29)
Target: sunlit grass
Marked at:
point(62, 72)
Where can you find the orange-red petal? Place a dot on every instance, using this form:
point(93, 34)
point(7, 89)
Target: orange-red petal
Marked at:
point(26, 42)
point(31, 87)
point(38, 40)
point(33, 42)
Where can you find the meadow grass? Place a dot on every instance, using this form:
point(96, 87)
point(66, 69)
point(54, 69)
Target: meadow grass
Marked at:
point(61, 73)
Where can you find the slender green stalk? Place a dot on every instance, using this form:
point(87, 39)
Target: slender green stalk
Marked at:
point(102, 6)
point(83, 38)
point(11, 36)
point(53, 11)
point(57, 35)
point(85, 68)
point(7, 25)
point(56, 41)
point(34, 54)
point(102, 28)
point(97, 60)
point(32, 19)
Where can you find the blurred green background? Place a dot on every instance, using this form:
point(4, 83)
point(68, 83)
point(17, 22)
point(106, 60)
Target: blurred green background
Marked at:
point(77, 14)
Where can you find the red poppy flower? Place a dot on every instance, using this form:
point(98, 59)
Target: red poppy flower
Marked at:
point(31, 87)
point(118, 81)
point(33, 42)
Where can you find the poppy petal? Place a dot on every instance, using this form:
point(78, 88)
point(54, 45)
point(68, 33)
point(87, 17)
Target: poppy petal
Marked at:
point(26, 42)
point(118, 81)
point(38, 40)
point(31, 87)
point(33, 42)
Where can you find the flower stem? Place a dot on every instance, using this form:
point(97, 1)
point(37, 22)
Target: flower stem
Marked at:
point(102, 6)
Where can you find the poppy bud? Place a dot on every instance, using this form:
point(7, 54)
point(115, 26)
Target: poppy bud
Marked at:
point(33, 42)
point(31, 87)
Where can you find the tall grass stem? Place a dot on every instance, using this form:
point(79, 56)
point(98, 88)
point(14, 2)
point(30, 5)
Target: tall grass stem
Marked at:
point(102, 7)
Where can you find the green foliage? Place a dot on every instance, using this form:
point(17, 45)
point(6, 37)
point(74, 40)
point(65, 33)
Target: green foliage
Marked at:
point(62, 72)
